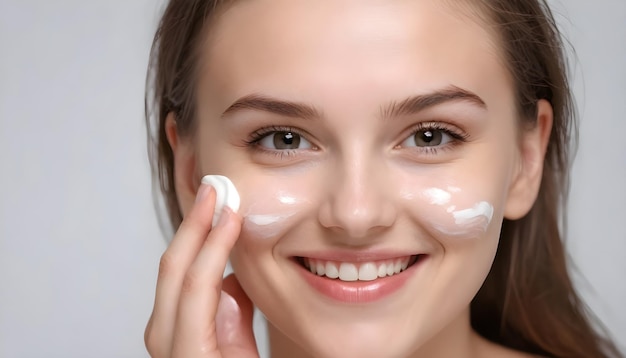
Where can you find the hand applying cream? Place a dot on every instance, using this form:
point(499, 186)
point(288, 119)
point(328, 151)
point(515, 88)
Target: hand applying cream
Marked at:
point(226, 194)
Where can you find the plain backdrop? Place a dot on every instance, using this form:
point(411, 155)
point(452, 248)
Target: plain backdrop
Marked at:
point(79, 239)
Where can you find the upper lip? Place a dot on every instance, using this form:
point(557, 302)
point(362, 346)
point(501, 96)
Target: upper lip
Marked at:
point(357, 256)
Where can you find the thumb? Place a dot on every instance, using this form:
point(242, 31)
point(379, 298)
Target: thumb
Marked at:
point(233, 320)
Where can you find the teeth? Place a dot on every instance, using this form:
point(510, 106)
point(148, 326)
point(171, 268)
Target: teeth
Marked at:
point(405, 264)
point(331, 270)
point(320, 268)
point(390, 268)
point(348, 272)
point(382, 270)
point(366, 271)
point(397, 267)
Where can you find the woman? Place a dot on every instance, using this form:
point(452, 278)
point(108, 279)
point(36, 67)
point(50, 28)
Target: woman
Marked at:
point(401, 164)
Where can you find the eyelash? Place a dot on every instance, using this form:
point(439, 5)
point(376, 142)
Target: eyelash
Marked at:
point(259, 134)
point(457, 137)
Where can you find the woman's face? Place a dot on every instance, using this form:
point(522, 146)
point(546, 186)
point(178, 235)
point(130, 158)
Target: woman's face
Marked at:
point(365, 138)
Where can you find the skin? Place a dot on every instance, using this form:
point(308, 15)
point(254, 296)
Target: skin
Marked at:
point(359, 186)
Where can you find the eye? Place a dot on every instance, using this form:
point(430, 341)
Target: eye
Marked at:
point(428, 137)
point(284, 140)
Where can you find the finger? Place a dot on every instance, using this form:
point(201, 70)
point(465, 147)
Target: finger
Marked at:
point(231, 285)
point(235, 336)
point(175, 262)
point(195, 335)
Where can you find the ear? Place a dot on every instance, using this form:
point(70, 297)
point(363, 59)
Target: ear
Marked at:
point(186, 181)
point(527, 179)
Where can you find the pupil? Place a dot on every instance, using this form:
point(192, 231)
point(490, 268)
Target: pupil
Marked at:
point(428, 138)
point(286, 140)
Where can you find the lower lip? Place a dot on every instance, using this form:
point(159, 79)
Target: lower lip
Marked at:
point(356, 292)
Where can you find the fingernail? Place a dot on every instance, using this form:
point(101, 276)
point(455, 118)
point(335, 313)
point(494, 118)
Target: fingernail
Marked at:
point(203, 191)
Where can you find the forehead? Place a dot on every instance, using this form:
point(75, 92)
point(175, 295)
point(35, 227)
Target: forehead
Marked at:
point(368, 48)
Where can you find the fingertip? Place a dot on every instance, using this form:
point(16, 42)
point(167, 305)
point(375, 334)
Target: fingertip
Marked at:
point(228, 216)
point(236, 217)
point(204, 205)
point(203, 192)
point(231, 286)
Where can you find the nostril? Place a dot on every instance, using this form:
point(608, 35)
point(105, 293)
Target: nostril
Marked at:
point(358, 223)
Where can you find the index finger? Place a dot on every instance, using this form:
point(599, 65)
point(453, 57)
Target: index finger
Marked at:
point(175, 262)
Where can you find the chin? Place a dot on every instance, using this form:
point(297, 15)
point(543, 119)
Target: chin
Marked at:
point(391, 331)
point(357, 340)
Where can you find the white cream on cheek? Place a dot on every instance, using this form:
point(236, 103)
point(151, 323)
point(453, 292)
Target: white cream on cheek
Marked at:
point(470, 221)
point(286, 199)
point(437, 196)
point(265, 220)
point(269, 219)
point(482, 211)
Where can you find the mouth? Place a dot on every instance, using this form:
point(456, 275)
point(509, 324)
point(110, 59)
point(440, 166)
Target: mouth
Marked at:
point(362, 281)
point(358, 271)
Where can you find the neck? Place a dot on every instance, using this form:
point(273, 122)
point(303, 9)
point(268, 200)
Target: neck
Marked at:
point(455, 340)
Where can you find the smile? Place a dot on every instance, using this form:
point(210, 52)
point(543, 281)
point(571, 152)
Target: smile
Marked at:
point(364, 271)
point(358, 282)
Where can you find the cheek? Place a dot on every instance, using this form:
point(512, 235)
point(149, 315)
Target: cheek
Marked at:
point(271, 213)
point(454, 211)
point(272, 207)
point(465, 215)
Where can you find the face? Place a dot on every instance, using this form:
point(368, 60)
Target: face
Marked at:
point(375, 147)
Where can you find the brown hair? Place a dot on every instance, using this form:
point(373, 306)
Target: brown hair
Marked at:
point(528, 301)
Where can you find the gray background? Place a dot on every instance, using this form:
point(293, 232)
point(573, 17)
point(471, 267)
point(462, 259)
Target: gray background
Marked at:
point(79, 241)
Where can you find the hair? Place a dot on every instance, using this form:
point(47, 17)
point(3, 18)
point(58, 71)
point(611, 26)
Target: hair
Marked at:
point(528, 301)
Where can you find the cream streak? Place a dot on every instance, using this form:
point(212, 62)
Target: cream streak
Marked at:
point(469, 216)
point(287, 200)
point(268, 216)
point(437, 196)
point(466, 220)
point(265, 220)
point(264, 226)
point(471, 222)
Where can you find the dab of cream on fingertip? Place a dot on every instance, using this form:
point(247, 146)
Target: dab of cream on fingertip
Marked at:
point(226, 195)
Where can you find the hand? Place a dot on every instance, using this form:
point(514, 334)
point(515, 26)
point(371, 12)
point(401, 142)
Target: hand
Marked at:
point(196, 313)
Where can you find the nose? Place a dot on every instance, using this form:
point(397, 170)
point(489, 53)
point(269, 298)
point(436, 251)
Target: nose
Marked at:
point(360, 200)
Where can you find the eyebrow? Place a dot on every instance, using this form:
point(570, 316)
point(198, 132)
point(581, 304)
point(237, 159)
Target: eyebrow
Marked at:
point(411, 105)
point(272, 105)
point(415, 104)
